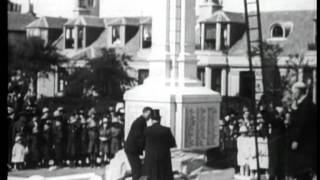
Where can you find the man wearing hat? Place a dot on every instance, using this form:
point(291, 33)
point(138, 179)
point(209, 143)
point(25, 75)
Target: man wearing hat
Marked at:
point(159, 140)
point(135, 142)
point(303, 135)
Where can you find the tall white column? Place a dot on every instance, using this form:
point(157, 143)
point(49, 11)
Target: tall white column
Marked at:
point(208, 76)
point(218, 36)
point(159, 59)
point(202, 35)
point(187, 62)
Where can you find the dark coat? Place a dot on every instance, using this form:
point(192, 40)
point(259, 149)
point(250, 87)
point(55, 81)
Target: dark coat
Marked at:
point(304, 132)
point(136, 140)
point(57, 136)
point(116, 137)
point(159, 140)
point(84, 140)
point(72, 139)
point(276, 140)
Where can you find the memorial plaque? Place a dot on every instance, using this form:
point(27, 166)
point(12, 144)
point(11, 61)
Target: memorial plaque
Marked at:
point(201, 127)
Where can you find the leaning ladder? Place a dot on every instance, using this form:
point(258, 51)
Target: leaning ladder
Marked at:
point(253, 29)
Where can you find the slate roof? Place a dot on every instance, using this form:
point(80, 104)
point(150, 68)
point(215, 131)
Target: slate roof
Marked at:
point(297, 41)
point(90, 21)
point(18, 21)
point(48, 22)
point(224, 16)
point(131, 21)
point(145, 20)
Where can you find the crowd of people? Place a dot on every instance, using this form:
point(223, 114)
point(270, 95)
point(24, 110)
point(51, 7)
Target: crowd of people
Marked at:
point(289, 131)
point(53, 138)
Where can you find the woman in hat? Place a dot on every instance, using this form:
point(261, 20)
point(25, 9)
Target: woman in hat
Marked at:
point(34, 144)
point(159, 140)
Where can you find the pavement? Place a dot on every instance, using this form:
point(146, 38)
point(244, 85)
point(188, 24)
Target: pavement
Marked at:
point(58, 174)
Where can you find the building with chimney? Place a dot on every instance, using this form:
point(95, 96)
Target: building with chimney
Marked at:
point(217, 31)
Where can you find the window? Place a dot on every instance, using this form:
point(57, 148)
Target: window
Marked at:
point(210, 36)
point(69, 38)
point(200, 75)
point(115, 34)
point(277, 31)
point(216, 79)
point(61, 79)
point(90, 3)
point(224, 37)
point(142, 75)
point(247, 82)
point(82, 3)
point(146, 39)
point(281, 30)
point(80, 37)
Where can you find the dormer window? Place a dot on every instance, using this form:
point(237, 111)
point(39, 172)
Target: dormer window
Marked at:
point(90, 3)
point(115, 34)
point(82, 3)
point(146, 36)
point(210, 36)
point(281, 30)
point(80, 37)
point(277, 32)
point(69, 38)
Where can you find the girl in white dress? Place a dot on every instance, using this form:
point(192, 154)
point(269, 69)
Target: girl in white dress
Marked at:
point(243, 153)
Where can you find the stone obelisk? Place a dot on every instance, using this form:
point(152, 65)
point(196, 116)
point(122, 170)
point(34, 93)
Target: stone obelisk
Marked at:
point(189, 109)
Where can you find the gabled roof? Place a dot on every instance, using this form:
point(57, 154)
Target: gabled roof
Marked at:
point(296, 42)
point(223, 16)
point(48, 22)
point(90, 21)
point(131, 21)
point(18, 21)
point(146, 20)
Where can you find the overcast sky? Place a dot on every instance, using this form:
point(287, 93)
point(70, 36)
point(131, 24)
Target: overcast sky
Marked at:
point(143, 7)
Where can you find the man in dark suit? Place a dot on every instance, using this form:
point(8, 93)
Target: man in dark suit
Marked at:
point(159, 140)
point(303, 135)
point(134, 144)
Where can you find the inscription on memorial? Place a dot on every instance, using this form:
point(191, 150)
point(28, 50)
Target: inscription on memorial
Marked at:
point(201, 127)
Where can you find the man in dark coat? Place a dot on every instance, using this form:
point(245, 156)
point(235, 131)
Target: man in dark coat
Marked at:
point(159, 140)
point(303, 134)
point(72, 139)
point(57, 142)
point(276, 140)
point(33, 127)
point(135, 142)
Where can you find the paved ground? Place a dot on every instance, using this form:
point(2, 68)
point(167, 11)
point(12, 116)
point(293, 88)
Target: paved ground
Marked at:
point(59, 172)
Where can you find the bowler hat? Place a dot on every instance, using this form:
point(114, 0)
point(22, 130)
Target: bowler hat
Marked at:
point(155, 114)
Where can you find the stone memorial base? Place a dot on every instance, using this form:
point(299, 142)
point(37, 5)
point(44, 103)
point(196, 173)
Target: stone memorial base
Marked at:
point(191, 112)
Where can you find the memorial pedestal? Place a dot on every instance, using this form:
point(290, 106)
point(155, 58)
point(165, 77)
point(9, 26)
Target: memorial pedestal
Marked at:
point(192, 113)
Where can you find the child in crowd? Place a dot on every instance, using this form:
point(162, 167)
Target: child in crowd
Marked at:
point(104, 137)
point(243, 153)
point(19, 152)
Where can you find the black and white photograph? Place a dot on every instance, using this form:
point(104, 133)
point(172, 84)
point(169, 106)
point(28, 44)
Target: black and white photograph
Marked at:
point(161, 90)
